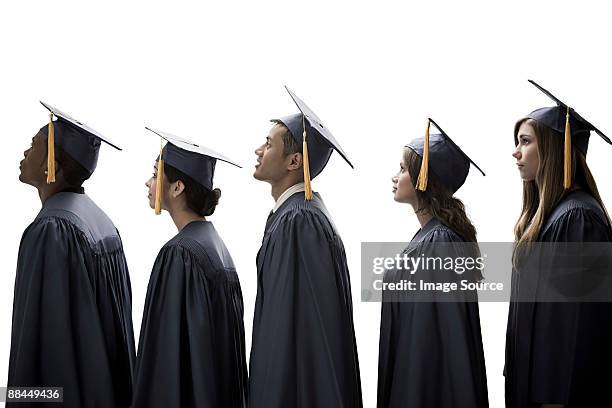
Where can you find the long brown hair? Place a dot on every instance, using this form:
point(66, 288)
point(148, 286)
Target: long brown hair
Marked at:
point(541, 196)
point(438, 200)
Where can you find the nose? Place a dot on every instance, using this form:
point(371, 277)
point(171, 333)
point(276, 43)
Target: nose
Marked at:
point(148, 183)
point(394, 179)
point(517, 153)
point(259, 151)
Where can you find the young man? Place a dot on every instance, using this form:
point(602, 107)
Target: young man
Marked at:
point(303, 350)
point(72, 320)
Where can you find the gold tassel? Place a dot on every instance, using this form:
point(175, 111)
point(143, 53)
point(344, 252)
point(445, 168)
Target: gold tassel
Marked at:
point(424, 172)
point(567, 154)
point(159, 182)
point(306, 165)
point(51, 151)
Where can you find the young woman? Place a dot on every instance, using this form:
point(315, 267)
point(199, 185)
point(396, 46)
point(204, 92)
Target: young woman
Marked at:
point(191, 351)
point(557, 354)
point(431, 352)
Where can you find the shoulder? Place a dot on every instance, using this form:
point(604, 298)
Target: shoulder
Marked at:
point(179, 246)
point(83, 213)
point(51, 225)
point(578, 217)
point(574, 206)
point(205, 249)
point(53, 234)
point(439, 232)
point(304, 215)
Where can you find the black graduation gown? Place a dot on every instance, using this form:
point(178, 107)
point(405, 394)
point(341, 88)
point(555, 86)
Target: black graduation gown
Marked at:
point(562, 352)
point(191, 348)
point(431, 353)
point(303, 352)
point(72, 317)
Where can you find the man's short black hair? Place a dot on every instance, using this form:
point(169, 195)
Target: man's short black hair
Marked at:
point(290, 144)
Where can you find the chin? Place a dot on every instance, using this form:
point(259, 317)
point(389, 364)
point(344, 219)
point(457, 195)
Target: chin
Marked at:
point(527, 178)
point(25, 180)
point(257, 176)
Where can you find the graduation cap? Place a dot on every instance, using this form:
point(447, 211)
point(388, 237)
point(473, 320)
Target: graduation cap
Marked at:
point(196, 161)
point(318, 143)
point(568, 122)
point(80, 141)
point(448, 162)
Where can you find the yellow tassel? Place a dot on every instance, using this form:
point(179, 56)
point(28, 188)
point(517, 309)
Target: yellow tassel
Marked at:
point(159, 182)
point(51, 151)
point(567, 154)
point(306, 165)
point(424, 172)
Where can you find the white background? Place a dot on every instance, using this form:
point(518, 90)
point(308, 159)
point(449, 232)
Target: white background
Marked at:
point(372, 71)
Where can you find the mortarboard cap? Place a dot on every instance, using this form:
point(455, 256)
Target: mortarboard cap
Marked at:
point(78, 140)
point(197, 161)
point(568, 122)
point(317, 140)
point(446, 160)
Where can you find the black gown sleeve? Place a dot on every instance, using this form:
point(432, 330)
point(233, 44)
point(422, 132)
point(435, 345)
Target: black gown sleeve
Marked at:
point(57, 337)
point(179, 356)
point(571, 355)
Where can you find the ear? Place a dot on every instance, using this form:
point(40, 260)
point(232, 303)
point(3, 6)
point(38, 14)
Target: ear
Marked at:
point(294, 161)
point(177, 188)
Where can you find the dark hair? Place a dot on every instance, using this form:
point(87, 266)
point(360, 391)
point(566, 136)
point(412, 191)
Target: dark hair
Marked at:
point(438, 200)
point(199, 199)
point(290, 145)
point(74, 173)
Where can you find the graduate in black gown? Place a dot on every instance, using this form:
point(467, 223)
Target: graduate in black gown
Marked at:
point(303, 352)
point(431, 352)
point(72, 317)
point(191, 349)
point(557, 354)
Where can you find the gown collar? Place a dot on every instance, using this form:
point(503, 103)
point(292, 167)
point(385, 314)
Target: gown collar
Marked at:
point(296, 188)
point(425, 229)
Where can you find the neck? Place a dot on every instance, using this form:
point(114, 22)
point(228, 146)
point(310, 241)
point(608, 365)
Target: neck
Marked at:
point(280, 187)
point(183, 217)
point(423, 217)
point(47, 190)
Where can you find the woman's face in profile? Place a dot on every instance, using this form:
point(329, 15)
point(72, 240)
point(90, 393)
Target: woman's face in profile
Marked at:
point(526, 152)
point(151, 185)
point(403, 188)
